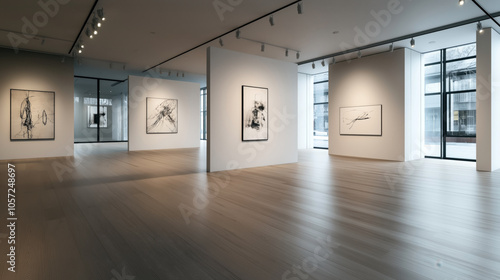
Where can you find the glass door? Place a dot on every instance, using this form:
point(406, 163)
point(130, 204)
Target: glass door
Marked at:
point(101, 110)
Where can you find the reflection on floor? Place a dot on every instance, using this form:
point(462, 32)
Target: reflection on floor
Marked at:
point(112, 214)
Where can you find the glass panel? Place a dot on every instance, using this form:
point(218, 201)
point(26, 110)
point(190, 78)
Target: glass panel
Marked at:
point(321, 77)
point(433, 78)
point(432, 57)
point(85, 125)
point(461, 147)
point(321, 92)
point(461, 52)
point(461, 108)
point(321, 126)
point(433, 125)
point(461, 75)
point(113, 115)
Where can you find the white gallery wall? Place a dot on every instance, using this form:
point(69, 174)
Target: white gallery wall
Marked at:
point(188, 96)
point(488, 101)
point(31, 71)
point(227, 72)
point(389, 79)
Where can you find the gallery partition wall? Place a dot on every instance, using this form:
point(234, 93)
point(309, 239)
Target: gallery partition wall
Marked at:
point(450, 103)
point(100, 110)
point(320, 136)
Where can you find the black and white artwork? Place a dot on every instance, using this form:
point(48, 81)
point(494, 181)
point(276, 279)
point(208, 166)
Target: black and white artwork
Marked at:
point(95, 117)
point(162, 116)
point(255, 113)
point(32, 115)
point(361, 120)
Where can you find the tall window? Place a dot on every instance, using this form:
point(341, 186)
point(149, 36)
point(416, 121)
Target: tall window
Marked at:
point(450, 103)
point(203, 114)
point(320, 136)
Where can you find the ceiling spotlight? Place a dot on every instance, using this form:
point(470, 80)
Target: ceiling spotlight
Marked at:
point(43, 42)
point(461, 2)
point(323, 63)
point(286, 53)
point(359, 54)
point(221, 43)
point(99, 24)
point(334, 61)
point(314, 66)
point(391, 48)
point(299, 8)
point(271, 20)
point(298, 55)
point(412, 42)
point(80, 51)
point(238, 33)
point(183, 75)
point(262, 48)
point(100, 14)
point(88, 33)
point(480, 27)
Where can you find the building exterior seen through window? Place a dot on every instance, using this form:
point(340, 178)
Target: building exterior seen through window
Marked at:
point(203, 114)
point(320, 136)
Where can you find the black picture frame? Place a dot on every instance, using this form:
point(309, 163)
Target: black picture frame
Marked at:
point(32, 115)
point(254, 117)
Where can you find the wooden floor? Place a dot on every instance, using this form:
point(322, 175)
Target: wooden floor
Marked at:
point(159, 215)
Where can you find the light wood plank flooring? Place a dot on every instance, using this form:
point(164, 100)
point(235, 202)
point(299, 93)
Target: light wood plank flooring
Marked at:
point(159, 215)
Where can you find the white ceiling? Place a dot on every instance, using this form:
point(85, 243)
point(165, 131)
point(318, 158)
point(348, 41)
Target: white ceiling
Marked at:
point(141, 34)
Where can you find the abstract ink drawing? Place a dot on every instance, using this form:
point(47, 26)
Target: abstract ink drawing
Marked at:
point(32, 115)
point(361, 120)
point(161, 116)
point(255, 114)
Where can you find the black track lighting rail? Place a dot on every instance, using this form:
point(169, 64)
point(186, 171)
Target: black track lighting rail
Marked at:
point(403, 38)
point(484, 11)
point(83, 27)
point(229, 32)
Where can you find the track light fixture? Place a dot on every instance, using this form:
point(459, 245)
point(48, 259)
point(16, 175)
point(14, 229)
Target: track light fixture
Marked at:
point(271, 20)
point(359, 54)
point(262, 47)
point(412, 42)
point(183, 75)
point(89, 33)
point(177, 74)
point(391, 48)
point(238, 34)
point(480, 27)
point(100, 14)
point(314, 66)
point(461, 2)
point(286, 52)
point(323, 63)
point(221, 43)
point(298, 55)
point(299, 8)
point(334, 61)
